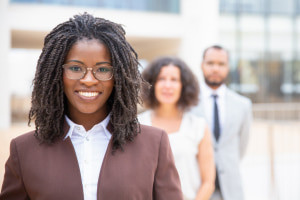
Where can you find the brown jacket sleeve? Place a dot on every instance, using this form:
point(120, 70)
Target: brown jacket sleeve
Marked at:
point(166, 183)
point(13, 187)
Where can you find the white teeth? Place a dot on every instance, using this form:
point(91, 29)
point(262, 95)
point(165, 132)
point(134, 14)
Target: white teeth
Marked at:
point(88, 94)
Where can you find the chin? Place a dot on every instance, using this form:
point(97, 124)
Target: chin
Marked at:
point(88, 109)
point(168, 102)
point(214, 83)
point(87, 112)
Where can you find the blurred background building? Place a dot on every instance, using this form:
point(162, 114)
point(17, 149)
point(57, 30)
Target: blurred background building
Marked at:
point(263, 37)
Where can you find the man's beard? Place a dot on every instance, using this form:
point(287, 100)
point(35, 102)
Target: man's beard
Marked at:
point(213, 83)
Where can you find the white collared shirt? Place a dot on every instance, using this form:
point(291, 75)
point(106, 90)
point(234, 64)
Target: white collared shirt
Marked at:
point(90, 147)
point(207, 100)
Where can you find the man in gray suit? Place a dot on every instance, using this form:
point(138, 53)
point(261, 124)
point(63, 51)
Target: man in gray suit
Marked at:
point(229, 116)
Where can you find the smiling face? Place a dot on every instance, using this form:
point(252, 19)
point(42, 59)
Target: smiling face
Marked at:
point(87, 97)
point(168, 85)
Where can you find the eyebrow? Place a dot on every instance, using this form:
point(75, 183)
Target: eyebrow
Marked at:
point(98, 63)
point(74, 61)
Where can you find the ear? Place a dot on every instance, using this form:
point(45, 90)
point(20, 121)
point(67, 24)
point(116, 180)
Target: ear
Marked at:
point(202, 65)
point(227, 70)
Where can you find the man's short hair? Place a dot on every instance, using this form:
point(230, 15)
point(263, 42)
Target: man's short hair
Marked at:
point(218, 47)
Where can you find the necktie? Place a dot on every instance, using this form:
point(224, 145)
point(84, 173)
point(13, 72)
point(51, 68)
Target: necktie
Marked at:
point(216, 127)
point(216, 134)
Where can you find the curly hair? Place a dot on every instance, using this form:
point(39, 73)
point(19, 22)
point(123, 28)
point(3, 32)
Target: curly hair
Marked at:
point(190, 87)
point(49, 103)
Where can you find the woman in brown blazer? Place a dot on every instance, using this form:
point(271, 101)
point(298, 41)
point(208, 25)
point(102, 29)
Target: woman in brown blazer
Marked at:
point(88, 143)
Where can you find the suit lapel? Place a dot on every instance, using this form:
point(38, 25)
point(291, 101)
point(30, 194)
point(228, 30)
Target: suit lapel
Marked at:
point(230, 117)
point(200, 111)
point(108, 153)
point(107, 156)
point(73, 166)
point(68, 165)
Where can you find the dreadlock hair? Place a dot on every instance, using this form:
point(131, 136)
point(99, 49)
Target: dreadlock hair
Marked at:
point(49, 103)
point(190, 87)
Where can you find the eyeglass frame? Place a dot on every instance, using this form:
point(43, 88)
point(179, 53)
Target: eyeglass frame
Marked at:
point(89, 69)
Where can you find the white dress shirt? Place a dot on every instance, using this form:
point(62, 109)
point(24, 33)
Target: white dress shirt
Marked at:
point(208, 100)
point(90, 147)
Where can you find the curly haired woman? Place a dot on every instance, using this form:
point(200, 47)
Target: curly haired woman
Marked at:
point(174, 91)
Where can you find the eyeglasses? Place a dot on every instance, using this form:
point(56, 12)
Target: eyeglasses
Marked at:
point(102, 72)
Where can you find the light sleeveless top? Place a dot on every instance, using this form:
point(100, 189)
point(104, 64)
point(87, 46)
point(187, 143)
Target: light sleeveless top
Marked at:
point(184, 144)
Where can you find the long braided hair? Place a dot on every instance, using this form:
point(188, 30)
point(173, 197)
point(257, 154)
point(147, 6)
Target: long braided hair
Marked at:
point(49, 103)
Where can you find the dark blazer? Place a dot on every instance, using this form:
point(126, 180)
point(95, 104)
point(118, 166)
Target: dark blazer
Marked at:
point(144, 170)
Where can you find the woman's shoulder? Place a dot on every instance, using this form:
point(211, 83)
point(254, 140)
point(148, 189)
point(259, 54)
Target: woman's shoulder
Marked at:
point(194, 126)
point(148, 141)
point(26, 138)
point(151, 132)
point(150, 135)
point(145, 117)
point(25, 144)
point(197, 120)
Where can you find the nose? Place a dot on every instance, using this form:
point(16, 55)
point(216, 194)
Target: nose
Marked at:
point(89, 79)
point(168, 83)
point(215, 67)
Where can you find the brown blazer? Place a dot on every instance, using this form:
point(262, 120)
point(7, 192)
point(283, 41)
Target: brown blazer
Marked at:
point(144, 170)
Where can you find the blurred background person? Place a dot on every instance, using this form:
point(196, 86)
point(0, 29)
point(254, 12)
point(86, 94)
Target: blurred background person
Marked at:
point(174, 91)
point(229, 116)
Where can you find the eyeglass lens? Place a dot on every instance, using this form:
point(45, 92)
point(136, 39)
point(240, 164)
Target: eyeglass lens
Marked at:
point(100, 72)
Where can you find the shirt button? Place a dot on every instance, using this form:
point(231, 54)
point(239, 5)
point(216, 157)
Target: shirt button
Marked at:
point(78, 128)
point(87, 138)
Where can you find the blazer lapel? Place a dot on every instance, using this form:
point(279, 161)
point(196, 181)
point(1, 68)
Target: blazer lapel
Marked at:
point(200, 111)
point(68, 165)
point(73, 167)
point(228, 121)
point(108, 153)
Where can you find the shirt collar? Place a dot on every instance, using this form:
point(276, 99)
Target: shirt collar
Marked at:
point(100, 126)
point(207, 91)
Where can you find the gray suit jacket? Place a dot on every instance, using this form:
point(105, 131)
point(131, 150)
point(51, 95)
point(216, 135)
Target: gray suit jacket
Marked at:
point(232, 143)
point(144, 170)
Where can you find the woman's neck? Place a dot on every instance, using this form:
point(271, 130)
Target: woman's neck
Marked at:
point(167, 111)
point(167, 118)
point(88, 121)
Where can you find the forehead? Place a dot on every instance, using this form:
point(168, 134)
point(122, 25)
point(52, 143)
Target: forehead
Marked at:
point(216, 54)
point(170, 70)
point(88, 45)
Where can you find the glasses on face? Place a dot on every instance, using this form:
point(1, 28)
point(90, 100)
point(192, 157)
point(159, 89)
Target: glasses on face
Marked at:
point(76, 71)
